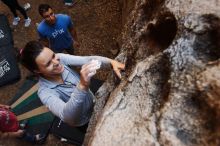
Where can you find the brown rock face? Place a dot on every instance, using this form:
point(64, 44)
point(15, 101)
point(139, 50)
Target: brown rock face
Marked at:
point(170, 91)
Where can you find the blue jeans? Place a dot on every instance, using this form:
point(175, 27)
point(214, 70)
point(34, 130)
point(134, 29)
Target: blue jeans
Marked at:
point(68, 1)
point(28, 137)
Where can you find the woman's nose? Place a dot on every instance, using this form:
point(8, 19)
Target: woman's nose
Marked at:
point(55, 61)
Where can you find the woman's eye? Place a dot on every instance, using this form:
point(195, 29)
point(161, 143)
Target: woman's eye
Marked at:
point(49, 63)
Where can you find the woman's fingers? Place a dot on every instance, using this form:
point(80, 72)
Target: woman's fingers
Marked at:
point(117, 67)
point(118, 73)
point(89, 70)
point(121, 66)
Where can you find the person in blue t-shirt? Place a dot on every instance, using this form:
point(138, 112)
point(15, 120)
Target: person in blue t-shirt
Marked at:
point(56, 31)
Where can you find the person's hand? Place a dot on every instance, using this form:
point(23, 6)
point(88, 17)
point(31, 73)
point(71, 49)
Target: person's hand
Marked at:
point(88, 70)
point(76, 44)
point(18, 133)
point(117, 67)
point(5, 106)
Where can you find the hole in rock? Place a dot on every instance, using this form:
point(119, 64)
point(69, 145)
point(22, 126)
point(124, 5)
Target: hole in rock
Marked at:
point(162, 33)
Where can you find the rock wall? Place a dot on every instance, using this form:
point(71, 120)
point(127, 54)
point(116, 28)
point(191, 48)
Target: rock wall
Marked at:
point(169, 93)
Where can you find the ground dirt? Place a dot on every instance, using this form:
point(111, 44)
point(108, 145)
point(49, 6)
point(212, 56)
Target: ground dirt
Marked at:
point(98, 25)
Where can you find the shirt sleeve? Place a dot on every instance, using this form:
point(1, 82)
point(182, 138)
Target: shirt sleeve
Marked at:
point(71, 111)
point(73, 60)
point(69, 22)
point(41, 35)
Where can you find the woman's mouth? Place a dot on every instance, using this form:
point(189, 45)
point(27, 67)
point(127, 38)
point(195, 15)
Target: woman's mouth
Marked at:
point(59, 68)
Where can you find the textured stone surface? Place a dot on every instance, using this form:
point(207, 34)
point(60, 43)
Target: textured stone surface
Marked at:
point(169, 93)
point(209, 86)
point(208, 83)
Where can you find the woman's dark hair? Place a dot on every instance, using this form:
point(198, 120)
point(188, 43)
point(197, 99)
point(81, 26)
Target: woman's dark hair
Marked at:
point(29, 53)
point(43, 8)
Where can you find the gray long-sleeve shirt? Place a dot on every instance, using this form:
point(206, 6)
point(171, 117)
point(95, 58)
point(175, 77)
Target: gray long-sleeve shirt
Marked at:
point(67, 101)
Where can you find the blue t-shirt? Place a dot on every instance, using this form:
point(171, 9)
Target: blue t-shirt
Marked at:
point(58, 34)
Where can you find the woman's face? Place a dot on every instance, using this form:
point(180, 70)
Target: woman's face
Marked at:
point(48, 63)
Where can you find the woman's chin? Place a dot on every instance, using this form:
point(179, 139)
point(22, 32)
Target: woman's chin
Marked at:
point(61, 69)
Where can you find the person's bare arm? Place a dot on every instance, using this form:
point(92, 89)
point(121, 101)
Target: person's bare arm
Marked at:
point(74, 35)
point(18, 133)
point(5, 106)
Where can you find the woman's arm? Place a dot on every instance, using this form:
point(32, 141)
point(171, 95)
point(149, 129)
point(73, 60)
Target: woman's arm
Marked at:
point(81, 60)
